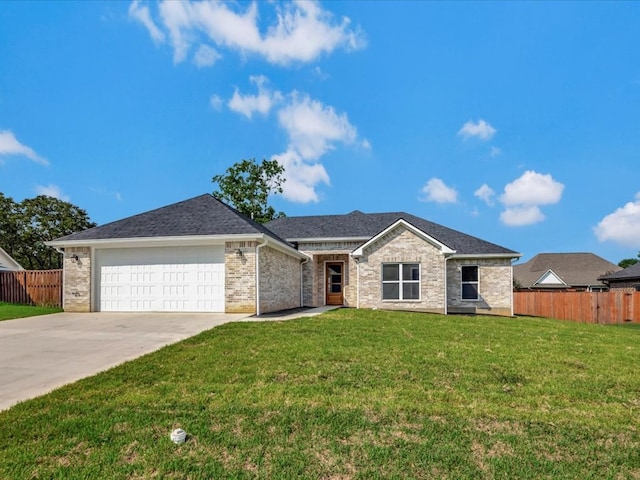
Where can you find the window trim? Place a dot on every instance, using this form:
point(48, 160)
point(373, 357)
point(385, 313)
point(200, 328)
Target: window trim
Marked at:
point(476, 283)
point(400, 282)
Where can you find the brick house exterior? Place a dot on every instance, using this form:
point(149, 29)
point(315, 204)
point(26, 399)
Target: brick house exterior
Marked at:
point(365, 246)
point(627, 280)
point(202, 255)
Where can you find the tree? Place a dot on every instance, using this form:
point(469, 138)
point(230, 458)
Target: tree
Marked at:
point(246, 186)
point(9, 236)
point(627, 262)
point(25, 226)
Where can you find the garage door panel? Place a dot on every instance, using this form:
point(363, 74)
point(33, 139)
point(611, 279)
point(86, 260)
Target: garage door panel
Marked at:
point(161, 279)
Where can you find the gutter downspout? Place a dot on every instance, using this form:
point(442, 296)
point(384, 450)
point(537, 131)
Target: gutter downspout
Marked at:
point(511, 284)
point(446, 292)
point(64, 273)
point(357, 260)
point(258, 247)
point(301, 282)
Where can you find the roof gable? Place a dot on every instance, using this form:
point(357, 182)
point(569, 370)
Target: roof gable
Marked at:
point(7, 262)
point(204, 215)
point(402, 223)
point(550, 278)
point(572, 269)
point(364, 226)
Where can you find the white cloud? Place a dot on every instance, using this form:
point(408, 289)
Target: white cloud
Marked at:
point(206, 56)
point(9, 145)
point(622, 226)
point(262, 103)
point(300, 32)
point(141, 14)
point(495, 151)
point(521, 215)
point(524, 195)
point(312, 130)
point(301, 177)
point(435, 190)
point(532, 188)
point(485, 193)
point(480, 129)
point(51, 190)
point(313, 127)
point(216, 102)
point(104, 191)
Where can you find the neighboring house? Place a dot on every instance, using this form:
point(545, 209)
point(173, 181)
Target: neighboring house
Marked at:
point(8, 263)
point(202, 255)
point(627, 279)
point(563, 271)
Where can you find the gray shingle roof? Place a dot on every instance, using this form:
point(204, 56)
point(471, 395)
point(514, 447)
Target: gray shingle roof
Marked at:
point(575, 269)
point(202, 215)
point(630, 273)
point(367, 225)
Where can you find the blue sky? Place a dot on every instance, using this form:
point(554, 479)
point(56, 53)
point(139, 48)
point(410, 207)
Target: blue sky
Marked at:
point(517, 122)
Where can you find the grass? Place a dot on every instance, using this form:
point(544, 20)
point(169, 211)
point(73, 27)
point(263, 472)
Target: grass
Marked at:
point(351, 394)
point(9, 311)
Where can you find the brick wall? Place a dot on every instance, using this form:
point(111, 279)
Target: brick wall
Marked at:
point(279, 280)
point(240, 275)
point(402, 246)
point(625, 286)
point(76, 295)
point(495, 285)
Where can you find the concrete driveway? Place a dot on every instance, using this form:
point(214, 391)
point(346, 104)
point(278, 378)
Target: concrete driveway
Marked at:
point(39, 354)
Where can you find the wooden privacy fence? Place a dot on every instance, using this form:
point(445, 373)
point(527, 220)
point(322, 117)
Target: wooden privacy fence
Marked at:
point(586, 307)
point(32, 287)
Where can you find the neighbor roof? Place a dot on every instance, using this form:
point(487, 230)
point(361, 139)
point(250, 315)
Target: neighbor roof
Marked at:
point(574, 269)
point(202, 215)
point(7, 262)
point(629, 273)
point(358, 225)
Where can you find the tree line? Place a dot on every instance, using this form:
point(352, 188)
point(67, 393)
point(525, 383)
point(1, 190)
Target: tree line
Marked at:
point(26, 225)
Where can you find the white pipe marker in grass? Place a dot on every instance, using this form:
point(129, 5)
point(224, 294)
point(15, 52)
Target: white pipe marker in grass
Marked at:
point(178, 436)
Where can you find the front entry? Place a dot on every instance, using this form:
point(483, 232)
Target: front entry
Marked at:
point(334, 277)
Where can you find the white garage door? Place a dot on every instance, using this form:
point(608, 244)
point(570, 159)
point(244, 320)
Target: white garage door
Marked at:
point(161, 279)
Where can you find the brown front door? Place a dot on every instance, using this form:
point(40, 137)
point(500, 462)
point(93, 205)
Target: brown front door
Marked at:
point(334, 275)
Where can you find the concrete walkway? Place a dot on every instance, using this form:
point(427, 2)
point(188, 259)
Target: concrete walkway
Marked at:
point(39, 354)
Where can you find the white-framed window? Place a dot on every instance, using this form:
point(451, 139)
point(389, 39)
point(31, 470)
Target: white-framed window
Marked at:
point(401, 281)
point(470, 282)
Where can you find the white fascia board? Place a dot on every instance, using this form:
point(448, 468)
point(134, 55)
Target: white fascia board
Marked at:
point(485, 255)
point(155, 241)
point(192, 240)
point(358, 252)
point(328, 239)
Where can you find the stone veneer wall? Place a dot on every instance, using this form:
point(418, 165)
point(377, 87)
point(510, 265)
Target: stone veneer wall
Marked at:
point(279, 280)
point(496, 286)
point(402, 246)
point(313, 270)
point(76, 296)
point(240, 276)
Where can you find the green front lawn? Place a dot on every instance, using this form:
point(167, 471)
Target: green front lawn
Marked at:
point(9, 311)
point(349, 394)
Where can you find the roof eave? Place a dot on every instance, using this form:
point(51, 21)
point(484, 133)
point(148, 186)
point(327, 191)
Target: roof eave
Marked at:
point(181, 240)
point(512, 255)
point(328, 239)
